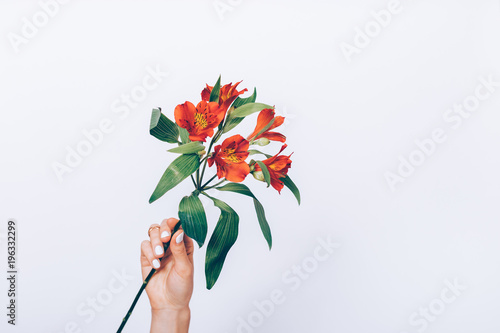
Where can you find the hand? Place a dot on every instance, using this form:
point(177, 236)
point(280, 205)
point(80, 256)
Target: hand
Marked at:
point(171, 287)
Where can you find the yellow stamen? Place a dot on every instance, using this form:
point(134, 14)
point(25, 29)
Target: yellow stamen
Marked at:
point(231, 156)
point(199, 120)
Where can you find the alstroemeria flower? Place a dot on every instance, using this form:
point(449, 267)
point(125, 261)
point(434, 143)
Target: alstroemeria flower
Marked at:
point(265, 117)
point(278, 166)
point(199, 121)
point(230, 159)
point(227, 95)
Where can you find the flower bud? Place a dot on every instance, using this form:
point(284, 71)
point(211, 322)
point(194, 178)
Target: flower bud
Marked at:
point(262, 142)
point(259, 175)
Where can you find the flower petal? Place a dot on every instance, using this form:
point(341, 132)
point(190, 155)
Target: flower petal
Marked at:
point(264, 118)
point(184, 115)
point(237, 172)
point(278, 166)
point(228, 94)
point(205, 93)
point(273, 136)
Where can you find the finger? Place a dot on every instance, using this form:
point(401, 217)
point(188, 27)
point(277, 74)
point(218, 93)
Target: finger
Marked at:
point(182, 263)
point(165, 231)
point(189, 245)
point(148, 256)
point(171, 222)
point(156, 243)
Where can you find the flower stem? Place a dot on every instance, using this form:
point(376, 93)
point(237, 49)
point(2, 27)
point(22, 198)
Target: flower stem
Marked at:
point(145, 283)
point(215, 138)
point(198, 181)
point(194, 183)
point(208, 188)
point(203, 186)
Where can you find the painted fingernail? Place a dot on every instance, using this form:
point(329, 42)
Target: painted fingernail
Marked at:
point(156, 264)
point(159, 250)
point(165, 234)
point(179, 238)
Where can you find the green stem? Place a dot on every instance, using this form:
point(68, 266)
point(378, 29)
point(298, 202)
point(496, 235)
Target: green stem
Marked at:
point(203, 159)
point(145, 283)
point(194, 183)
point(214, 139)
point(208, 188)
point(203, 186)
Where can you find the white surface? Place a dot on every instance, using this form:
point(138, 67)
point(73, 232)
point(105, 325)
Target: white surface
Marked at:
point(347, 125)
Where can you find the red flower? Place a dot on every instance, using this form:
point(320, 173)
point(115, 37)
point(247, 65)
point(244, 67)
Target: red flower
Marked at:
point(200, 121)
point(227, 95)
point(278, 166)
point(230, 159)
point(265, 117)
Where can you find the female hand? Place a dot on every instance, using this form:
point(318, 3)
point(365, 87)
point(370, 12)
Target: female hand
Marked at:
point(171, 287)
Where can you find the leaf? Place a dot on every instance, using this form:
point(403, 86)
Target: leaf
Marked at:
point(255, 152)
point(193, 218)
point(214, 95)
point(291, 185)
point(232, 123)
point(249, 109)
point(242, 101)
point(177, 171)
point(188, 148)
point(184, 135)
point(163, 128)
point(265, 171)
point(223, 238)
point(261, 215)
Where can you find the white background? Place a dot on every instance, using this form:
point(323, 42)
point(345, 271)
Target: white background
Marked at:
point(348, 123)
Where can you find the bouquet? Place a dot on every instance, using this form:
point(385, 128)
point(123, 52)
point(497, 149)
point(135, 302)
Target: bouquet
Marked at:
point(220, 111)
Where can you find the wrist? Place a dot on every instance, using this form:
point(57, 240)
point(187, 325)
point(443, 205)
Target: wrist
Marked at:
point(170, 320)
point(167, 312)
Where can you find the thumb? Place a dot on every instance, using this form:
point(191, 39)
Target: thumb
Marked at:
point(182, 264)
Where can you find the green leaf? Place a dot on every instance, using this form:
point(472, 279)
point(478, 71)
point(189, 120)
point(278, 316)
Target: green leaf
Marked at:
point(184, 135)
point(223, 238)
point(234, 121)
point(255, 152)
point(231, 123)
point(177, 171)
point(265, 171)
point(214, 95)
point(163, 128)
point(261, 215)
point(193, 218)
point(291, 185)
point(242, 101)
point(249, 109)
point(188, 148)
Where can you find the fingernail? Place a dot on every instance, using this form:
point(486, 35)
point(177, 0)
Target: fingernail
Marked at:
point(159, 250)
point(156, 264)
point(179, 238)
point(165, 234)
